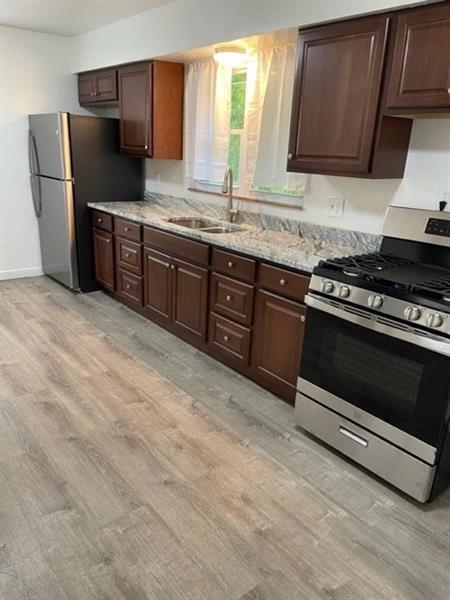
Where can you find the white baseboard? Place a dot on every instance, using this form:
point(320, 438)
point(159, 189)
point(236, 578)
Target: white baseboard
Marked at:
point(19, 273)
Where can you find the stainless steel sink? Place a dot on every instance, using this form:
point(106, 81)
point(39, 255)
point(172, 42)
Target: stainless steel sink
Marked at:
point(192, 222)
point(204, 225)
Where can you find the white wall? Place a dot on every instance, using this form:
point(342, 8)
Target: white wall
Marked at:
point(35, 77)
point(185, 24)
point(427, 175)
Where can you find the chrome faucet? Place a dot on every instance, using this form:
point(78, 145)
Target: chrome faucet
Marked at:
point(227, 188)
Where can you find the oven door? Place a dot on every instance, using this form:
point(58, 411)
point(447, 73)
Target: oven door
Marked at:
point(388, 378)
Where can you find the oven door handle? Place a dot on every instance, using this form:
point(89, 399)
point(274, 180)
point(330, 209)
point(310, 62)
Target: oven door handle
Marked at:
point(379, 324)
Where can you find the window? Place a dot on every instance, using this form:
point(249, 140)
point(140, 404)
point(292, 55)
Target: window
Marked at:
point(240, 117)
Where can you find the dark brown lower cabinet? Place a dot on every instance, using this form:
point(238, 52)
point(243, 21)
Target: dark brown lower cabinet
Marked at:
point(158, 284)
point(176, 292)
point(277, 343)
point(104, 258)
point(190, 297)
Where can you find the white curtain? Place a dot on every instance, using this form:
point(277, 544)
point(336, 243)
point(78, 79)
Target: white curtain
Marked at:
point(207, 119)
point(271, 79)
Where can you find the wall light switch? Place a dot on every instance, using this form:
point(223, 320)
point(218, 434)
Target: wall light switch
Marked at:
point(335, 207)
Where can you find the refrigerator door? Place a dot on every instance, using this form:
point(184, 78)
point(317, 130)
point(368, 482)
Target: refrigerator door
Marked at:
point(57, 231)
point(49, 145)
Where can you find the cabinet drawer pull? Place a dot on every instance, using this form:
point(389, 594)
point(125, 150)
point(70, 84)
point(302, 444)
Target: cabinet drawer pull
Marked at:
point(172, 267)
point(146, 147)
point(127, 255)
point(230, 264)
point(128, 286)
point(283, 282)
point(108, 241)
point(290, 156)
point(302, 318)
point(99, 220)
point(226, 338)
point(126, 229)
point(229, 298)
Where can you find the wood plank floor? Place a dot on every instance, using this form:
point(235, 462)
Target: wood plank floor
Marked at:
point(133, 467)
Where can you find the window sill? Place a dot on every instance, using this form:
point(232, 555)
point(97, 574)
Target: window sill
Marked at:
point(250, 198)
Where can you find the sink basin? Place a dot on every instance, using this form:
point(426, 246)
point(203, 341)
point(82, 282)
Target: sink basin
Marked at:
point(192, 223)
point(204, 225)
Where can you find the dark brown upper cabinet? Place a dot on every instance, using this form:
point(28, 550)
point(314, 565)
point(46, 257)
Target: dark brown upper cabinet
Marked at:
point(337, 127)
point(151, 109)
point(98, 87)
point(420, 75)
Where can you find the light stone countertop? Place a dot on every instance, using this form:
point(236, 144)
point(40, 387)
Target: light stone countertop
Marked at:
point(280, 247)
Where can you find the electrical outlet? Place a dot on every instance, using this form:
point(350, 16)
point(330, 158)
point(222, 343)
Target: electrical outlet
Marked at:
point(335, 207)
point(444, 195)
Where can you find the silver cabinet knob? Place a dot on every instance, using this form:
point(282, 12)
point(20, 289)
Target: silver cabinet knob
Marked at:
point(344, 291)
point(375, 301)
point(108, 241)
point(327, 287)
point(128, 286)
point(412, 313)
point(290, 156)
point(172, 267)
point(230, 264)
point(99, 220)
point(126, 229)
point(228, 298)
point(127, 255)
point(434, 320)
point(226, 338)
point(448, 91)
point(303, 318)
point(146, 147)
point(283, 282)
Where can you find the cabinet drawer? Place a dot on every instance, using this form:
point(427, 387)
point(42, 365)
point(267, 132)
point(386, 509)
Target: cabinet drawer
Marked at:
point(102, 220)
point(229, 338)
point(234, 265)
point(284, 282)
point(127, 229)
point(129, 286)
point(232, 298)
point(177, 245)
point(129, 256)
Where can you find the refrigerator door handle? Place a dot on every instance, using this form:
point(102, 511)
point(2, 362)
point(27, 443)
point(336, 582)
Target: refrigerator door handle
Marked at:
point(36, 194)
point(32, 153)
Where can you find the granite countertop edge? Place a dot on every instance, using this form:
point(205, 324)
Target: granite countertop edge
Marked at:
point(244, 242)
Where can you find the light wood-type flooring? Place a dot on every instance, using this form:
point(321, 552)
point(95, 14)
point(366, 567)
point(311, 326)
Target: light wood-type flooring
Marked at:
point(133, 467)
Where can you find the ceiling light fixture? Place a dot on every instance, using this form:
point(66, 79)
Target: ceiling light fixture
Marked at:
point(230, 56)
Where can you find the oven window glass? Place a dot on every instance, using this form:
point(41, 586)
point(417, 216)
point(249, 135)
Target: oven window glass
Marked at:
point(403, 384)
point(373, 371)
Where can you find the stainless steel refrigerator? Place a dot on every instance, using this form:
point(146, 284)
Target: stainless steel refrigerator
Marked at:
point(75, 160)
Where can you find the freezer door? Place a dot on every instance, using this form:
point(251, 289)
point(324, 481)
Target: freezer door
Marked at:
point(49, 145)
point(57, 231)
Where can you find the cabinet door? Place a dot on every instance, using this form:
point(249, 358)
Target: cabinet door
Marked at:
point(420, 75)
point(277, 343)
point(135, 85)
point(337, 90)
point(106, 85)
point(190, 293)
point(86, 88)
point(104, 258)
point(158, 284)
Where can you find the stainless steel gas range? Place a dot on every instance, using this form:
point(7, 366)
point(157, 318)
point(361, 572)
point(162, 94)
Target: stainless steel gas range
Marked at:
point(374, 380)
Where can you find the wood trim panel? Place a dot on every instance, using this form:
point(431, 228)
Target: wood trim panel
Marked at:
point(168, 89)
point(185, 248)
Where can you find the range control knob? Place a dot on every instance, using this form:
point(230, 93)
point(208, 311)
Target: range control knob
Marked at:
point(412, 313)
point(375, 301)
point(434, 320)
point(344, 291)
point(327, 287)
